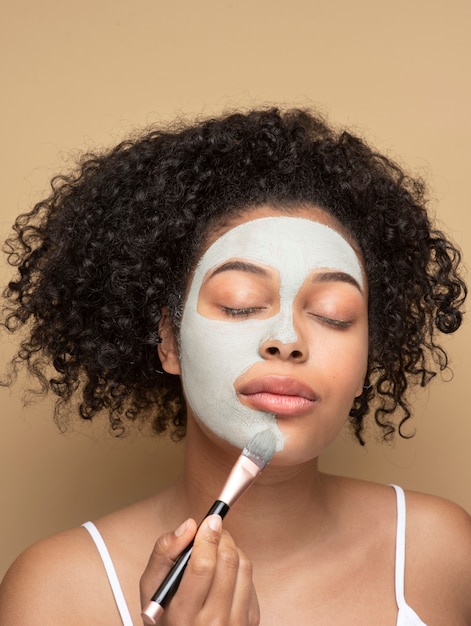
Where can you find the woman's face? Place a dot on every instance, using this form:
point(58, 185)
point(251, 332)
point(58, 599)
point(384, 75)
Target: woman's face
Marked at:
point(274, 331)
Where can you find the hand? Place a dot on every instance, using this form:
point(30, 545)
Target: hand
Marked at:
point(216, 587)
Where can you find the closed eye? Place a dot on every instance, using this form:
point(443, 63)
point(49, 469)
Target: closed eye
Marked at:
point(243, 312)
point(332, 322)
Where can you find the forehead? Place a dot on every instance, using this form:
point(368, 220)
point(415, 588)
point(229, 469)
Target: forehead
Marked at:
point(288, 244)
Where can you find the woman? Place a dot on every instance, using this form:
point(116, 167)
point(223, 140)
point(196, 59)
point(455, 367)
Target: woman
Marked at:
point(257, 271)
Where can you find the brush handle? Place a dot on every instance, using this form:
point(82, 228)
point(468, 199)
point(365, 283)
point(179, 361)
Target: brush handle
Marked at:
point(170, 584)
point(242, 475)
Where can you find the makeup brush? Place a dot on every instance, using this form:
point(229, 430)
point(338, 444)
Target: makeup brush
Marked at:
point(254, 458)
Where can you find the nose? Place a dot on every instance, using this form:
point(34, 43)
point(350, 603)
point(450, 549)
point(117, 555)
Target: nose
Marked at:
point(283, 340)
point(275, 349)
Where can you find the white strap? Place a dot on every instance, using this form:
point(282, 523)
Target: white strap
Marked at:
point(110, 572)
point(400, 545)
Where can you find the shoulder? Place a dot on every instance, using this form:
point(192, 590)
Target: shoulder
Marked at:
point(438, 523)
point(42, 584)
point(62, 579)
point(438, 546)
point(438, 550)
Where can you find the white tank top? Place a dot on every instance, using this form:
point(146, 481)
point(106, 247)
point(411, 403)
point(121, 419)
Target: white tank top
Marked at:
point(405, 616)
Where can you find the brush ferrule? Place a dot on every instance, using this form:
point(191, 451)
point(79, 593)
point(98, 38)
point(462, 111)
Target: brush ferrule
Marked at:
point(239, 480)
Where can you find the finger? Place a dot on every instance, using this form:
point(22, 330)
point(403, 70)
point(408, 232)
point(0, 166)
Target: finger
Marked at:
point(199, 574)
point(233, 581)
point(245, 608)
point(220, 597)
point(164, 554)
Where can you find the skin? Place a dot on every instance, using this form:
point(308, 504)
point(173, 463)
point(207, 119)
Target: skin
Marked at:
point(300, 547)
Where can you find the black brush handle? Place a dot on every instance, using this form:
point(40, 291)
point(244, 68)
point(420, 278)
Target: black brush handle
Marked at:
point(170, 584)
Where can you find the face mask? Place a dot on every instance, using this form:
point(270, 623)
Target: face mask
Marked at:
point(214, 353)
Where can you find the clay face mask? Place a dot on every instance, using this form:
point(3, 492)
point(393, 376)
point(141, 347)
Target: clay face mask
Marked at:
point(214, 353)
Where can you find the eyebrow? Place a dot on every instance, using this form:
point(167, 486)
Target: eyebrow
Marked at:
point(241, 266)
point(327, 277)
point(323, 277)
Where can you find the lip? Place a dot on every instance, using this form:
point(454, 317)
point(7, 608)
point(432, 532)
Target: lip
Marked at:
point(280, 395)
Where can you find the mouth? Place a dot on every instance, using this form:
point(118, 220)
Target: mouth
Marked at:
point(279, 395)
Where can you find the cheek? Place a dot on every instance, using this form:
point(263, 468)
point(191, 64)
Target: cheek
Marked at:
point(213, 354)
point(356, 367)
point(211, 349)
point(344, 359)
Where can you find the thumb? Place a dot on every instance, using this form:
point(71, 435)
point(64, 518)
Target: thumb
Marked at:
point(166, 550)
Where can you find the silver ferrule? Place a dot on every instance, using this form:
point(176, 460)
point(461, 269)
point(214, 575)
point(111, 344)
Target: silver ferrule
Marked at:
point(239, 480)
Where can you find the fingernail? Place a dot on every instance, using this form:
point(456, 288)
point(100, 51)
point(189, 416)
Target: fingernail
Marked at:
point(215, 522)
point(181, 529)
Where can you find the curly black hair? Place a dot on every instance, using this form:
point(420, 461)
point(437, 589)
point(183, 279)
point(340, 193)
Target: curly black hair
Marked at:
point(117, 239)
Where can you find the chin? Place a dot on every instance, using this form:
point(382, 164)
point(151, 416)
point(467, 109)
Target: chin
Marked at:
point(236, 435)
point(304, 445)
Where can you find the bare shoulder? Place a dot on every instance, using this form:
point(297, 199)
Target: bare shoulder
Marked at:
point(62, 580)
point(41, 585)
point(439, 550)
point(439, 523)
point(438, 546)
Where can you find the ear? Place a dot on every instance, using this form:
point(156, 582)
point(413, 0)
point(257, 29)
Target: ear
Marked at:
point(364, 384)
point(168, 346)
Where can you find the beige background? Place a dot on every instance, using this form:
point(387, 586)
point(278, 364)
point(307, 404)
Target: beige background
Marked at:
point(77, 75)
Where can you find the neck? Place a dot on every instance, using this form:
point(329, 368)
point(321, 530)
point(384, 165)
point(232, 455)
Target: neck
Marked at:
point(282, 505)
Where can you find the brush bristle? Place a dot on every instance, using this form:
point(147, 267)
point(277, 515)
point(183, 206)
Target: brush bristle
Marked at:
point(261, 448)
